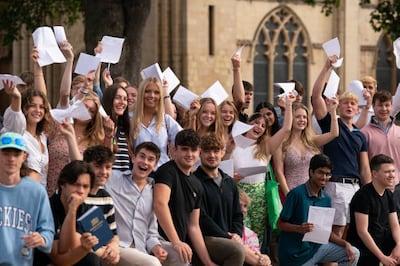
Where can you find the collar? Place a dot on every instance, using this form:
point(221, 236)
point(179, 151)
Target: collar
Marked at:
point(310, 192)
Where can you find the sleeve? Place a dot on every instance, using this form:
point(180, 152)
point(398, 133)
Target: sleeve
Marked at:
point(152, 236)
point(97, 90)
point(164, 175)
point(173, 128)
point(45, 223)
point(209, 227)
point(14, 121)
point(360, 202)
point(325, 123)
point(288, 207)
point(364, 146)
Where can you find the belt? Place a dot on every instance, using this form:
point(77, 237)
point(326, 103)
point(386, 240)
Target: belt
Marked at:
point(344, 180)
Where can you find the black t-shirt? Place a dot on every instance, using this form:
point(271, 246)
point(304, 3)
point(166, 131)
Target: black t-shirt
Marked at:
point(186, 193)
point(368, 201)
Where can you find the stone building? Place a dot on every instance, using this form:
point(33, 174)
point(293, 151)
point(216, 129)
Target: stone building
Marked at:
point(283, 40)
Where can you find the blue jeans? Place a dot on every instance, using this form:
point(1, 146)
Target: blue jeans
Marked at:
point(331, 252)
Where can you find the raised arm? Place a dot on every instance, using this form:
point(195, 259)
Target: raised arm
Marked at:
point(65, 87)
point(321, 140)
point(238, 94)
point(69, 133)
point(317, 101)
point(38, 78)
point(168, 105)
point(12, 90)
point(363, 118)
point(276, 140)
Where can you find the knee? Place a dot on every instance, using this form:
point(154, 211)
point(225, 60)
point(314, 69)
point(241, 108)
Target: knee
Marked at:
point(356, 255)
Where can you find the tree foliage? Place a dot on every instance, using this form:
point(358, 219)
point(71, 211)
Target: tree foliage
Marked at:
point(32, 14)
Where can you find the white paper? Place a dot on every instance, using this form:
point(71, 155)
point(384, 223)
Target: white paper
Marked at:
point(102, 111)
point(357, 88)
point(59, 33)
point(112, 49)
point(287, 87)
point(86, 63)
point(227, 167)
point(216, 92)
point(396, 51)
point(45, 42)
point(172, 79)
point(239, 51)
point(184, 97)
point(243, 142)
point(78, 111)
point(152, 71)
point(331, 48)
point(251, 170)
point(396, 101)
point(239, 128)
point(322, 218)
point(15, 79)
point(332, 85)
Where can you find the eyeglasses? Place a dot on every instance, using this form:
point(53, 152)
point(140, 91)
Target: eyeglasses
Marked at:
point(78, 88)
point(327, 174)
point(17, 141)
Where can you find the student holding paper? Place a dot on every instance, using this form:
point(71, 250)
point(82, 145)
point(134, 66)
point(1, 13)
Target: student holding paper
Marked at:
point(255, 155)
point(150, 122)
point(293, 250)
point(374, 227)
point(269, 111)
point(291, 160)
point(229, 115)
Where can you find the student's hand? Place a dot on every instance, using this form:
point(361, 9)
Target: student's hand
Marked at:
point(332, 105)
point(237, 178)
point(111, 254)
point(107, 77)
point(396, 253)
point(99, 48)
point(67, 129)
point(194, 108)
point(74, 201)
point(235, 237)
point(66, 48)
point(33, 240)
point(331, 60)
point(388, 261)
point(35, 55)
point(306, 227)
point(350, 252)
point(367, 97)
point(263, 260)
point(109, 126)
point(88, 241)
point(235, 59)
point(184, 251)
point(11, 89)
point(160, 253)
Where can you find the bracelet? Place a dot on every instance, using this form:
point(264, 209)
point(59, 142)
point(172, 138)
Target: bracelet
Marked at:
point(166, 97)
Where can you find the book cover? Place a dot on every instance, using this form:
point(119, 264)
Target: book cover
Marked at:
point(93, 221)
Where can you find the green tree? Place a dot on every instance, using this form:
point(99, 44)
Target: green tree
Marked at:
point(123, 18)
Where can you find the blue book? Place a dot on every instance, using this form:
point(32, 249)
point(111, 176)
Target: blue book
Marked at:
point(93, 222)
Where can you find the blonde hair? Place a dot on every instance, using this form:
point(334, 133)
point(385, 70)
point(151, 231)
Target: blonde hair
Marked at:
point(306, 134)
point(347, 95)
point(368, 79)
point(217, 126)
point(95, 129)
point(244, 197)
point(261, 152)
point(139, 107)
point(235, 112)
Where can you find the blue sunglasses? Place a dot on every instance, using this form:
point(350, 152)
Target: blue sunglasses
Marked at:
point(17, 141)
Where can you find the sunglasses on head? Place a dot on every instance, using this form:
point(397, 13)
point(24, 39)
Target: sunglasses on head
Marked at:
point(17, 141)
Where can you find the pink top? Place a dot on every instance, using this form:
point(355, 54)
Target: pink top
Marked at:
point(296, 167)
point(250, 239)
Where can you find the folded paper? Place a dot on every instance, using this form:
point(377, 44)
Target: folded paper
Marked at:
point(45, 42)
point(76, 111)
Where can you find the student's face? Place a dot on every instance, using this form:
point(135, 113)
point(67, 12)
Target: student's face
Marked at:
point(152, 96)
point(132, 96)
point(382, 110)
point(102, 172)
point(347, 108)
point(120, 102)
point(243, 207)
point(370, 87)
point(258, 130)
point(77, 87)
point(91, 107)
point(269, 115)
point(186, 156)
point(300, 119)
point(80, 188)
point(11, 161)
point(144, 163)
point(385, 175)
point(208, 115)
point(34, 112)
point(211, 159)
point(320, 176)
point(227, 115)
point(248, 96)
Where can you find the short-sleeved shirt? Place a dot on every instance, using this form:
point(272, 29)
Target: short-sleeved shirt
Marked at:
point(186, 193)
point(344, 150)
point(368, 201)
point(292, 249)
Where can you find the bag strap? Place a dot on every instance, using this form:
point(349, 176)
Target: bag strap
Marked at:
point(270, 174)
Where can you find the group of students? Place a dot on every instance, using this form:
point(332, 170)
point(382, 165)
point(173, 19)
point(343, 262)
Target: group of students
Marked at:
point(153, 168)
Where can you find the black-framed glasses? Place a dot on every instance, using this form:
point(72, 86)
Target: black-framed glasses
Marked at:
point(321, 172)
